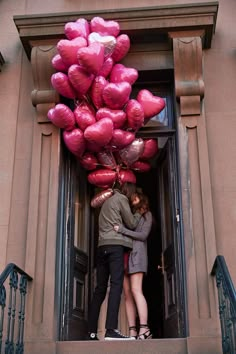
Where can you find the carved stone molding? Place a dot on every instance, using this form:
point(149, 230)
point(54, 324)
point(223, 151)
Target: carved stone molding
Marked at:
point(140, 24)
point(189, 84)
point(43, 96)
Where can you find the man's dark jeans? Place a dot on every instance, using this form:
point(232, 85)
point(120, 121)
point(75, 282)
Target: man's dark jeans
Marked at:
point(110, 263)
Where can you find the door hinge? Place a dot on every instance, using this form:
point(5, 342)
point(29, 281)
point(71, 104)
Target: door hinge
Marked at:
point(177, 217)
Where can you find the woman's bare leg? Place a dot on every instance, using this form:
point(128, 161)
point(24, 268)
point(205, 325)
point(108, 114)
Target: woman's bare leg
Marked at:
point(130, 305)
point(136, 281)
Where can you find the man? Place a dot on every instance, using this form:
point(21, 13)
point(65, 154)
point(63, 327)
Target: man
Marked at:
point(110, 259)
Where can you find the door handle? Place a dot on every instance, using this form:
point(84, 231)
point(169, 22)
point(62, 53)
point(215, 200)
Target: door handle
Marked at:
point(162, 266)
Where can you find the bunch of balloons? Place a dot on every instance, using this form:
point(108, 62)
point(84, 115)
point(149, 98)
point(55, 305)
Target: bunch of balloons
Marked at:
point(101, 130)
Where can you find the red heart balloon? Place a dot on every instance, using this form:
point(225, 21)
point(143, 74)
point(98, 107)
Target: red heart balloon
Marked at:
point(126, 176)
point(100, 132)
point(89, 161)
point(62, 117)
point(80, 28)
point(109, 42)
point(100, 198)
point(121, 138)
point(96, 91)
point(93, 147)
point(80, 79)
point(150, 149)
point(132, 152)
point(116, 95)
point(121, 73)
point(68, 49)
point(105, 28)
point(106, 67)
point(121, 48)
point(61, 84)
point(134, 114)
point(141, 166)
point(59, 64)
point(102, 177)
point(91, 57)
point(152, 105)
point(117, 116)
point(74, 141)
point(84, 118)
point(107, 159)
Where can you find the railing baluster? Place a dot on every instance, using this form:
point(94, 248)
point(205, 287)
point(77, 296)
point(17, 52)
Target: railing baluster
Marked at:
point(16, 309)
point(227, 305)
point(2, 308)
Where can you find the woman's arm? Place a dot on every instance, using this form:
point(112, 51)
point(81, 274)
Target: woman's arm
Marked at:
point(143, 233)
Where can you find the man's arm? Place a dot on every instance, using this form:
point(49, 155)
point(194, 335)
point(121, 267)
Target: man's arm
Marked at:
point(138, 235)
point(130, 220)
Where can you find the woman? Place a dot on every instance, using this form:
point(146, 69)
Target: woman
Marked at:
point(137, 268)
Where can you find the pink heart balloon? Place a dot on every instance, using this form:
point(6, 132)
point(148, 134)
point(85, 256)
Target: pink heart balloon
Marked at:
point(107, 159)
point(62, 117)
point(61, 84)
point(84, 105)
point(80, 28)
point(117, 116)
point(106, 67)
point(68, 49)
point(74, 141)
point(132, 152)
point(116, 95)
point(102, 177)
point(121, 138)
point(134, 114)
point(96, 91)
point(105, 28)
point(80, 79)
point(141, 166)
point(152, 105)
point(84, 118)
point(100, 132)
point(109, 42)
point(59, 64)
point(122, 47)
point(121, 73)
point(100, 198)
point(89, 161)
point(91, 57)
point(126, 176)
point(150, 149)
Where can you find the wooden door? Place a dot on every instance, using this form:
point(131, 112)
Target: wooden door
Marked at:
point(172, 256)
point(76, 245)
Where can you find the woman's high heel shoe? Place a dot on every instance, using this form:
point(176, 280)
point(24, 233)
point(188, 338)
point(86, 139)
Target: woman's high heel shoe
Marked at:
point(145, 335)
point(133, 328)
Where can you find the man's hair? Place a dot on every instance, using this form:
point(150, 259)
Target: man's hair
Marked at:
point(128, 189)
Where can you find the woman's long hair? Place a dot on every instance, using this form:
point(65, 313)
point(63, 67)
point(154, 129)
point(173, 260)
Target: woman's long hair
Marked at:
point(143, 203)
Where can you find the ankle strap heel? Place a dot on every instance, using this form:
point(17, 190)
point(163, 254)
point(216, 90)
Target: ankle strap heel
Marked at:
point(147, 334)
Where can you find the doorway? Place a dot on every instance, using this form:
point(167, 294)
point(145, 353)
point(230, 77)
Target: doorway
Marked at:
point(164, 285)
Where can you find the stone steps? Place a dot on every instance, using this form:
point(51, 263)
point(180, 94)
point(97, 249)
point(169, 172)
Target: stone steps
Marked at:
point(150, 346)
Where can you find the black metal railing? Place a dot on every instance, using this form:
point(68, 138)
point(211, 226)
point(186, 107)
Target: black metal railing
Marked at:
point(227, 305)
point(13, 288)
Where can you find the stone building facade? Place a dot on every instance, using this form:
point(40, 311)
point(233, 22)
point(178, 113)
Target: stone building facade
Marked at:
point(184, 52)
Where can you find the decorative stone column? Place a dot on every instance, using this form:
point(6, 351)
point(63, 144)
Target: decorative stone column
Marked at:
point(42, 225)
point(198, 218)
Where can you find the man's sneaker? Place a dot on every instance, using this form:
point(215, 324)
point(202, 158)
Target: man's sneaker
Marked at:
point(92, 336)
point(114, 334)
